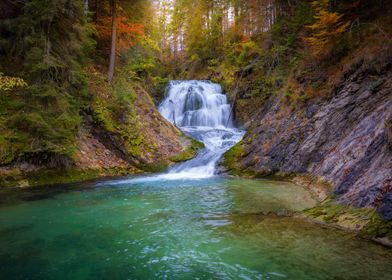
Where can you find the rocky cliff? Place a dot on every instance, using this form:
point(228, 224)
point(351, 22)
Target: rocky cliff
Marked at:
point(343, 140)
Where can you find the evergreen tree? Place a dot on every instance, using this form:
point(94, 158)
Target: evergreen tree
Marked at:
point(46, 42)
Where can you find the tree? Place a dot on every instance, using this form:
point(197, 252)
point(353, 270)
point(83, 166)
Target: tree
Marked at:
point(127, 33)
point(47, 43)
point(112, 60)
point(328, 27)
point(85, 7)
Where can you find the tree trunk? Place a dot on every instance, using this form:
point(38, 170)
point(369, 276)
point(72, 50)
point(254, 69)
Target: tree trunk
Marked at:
point(114, 39)
point(86, 7)
point(96, 14)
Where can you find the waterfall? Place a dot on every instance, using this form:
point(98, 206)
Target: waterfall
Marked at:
point(197, 104)
point(200, 110)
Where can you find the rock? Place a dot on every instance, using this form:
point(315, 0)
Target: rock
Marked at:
point(345, 139)
point(23, 184)
point(385, 210)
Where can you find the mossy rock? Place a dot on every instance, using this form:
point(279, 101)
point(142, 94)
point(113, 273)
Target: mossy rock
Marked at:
point(154, 167)
point(377, 228)
point(232, 162)
point(365, 221)
point(232, 159)
point(189, 153)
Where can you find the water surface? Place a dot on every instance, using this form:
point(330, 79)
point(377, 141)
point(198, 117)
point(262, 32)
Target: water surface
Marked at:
point(215, 228)
point(172, 226)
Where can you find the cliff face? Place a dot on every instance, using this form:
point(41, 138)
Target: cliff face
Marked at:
point(343, 139)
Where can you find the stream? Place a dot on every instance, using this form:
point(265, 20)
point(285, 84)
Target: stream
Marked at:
point(187, 223)
point(201, 111)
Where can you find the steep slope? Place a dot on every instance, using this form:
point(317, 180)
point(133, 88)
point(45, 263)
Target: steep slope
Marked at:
point(343, 139)
point(325, 124)
point(338, 147)
point(118, 135)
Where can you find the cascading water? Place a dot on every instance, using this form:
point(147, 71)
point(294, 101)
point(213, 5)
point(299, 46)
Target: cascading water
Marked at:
point(200, 110)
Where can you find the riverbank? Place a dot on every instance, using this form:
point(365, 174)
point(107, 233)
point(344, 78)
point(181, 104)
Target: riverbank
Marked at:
point(364, 222)
point(29, 175)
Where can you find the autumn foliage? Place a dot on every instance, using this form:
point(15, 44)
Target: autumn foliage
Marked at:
point(328, 27)
point(127, 32)
point(8, 83)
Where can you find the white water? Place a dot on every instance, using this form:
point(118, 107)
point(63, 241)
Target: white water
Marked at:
point(200, 110)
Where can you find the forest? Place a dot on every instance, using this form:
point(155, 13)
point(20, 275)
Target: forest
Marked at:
point(52, 51)
point(287, 91)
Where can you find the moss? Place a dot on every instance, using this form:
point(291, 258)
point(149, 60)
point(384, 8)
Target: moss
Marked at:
point(377, 228)
point(232, 162)
point(189, 153)
point(327, 211)
point(50, 177)
point(232, 159)
point(102, 115)
point(154, 167)
point(251, 138)
point(114, 109)
point(134, 145)
point(365, 221)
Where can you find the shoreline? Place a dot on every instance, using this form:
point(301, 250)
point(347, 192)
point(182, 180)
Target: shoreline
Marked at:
point(364, 222)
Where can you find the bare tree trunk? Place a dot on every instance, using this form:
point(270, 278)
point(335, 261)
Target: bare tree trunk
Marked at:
point(96, 7)
point(236, 14)
point(114, 39)
point(86, 7)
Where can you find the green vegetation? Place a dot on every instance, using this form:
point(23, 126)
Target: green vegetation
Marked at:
point(46, 44)
point(10, 83)
point(377, 228)
point(231, 159)
point(70, 65)
point(53, 58)
point(114, 109)
point(190, 152)
point(366, 221)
